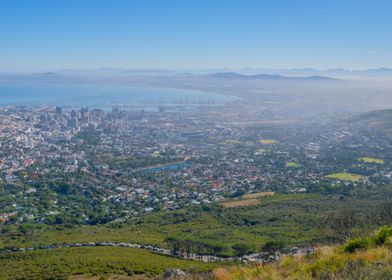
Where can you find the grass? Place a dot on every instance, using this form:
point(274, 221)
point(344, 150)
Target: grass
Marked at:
point(371, 160)
point(257, 195)
point(62, 263)
point(325, 263)
point(240, 203)
point(344, 176)
point(267, 141)
point(250, 199)
point(328, 262)
point(293, 164)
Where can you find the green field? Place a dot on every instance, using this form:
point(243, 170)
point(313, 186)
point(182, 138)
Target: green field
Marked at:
point(371, 160)
point(267, 141)
point(292, 164)
point(62, 263)
point(344, 176)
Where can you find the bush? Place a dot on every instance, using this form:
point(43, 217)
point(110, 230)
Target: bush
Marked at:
point(357, 244)
point(381, 237)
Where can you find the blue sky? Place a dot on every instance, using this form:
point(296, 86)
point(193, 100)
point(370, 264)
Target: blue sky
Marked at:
point(181, 34)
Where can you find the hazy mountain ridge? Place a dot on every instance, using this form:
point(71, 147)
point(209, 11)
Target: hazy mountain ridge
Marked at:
point(121, 74)
point(235, 75)
point(167, 77)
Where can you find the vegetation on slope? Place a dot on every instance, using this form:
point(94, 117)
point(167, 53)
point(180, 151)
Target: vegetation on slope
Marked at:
point(290, 219)
point(368, 257)
point(100, 261)
point(294, 219)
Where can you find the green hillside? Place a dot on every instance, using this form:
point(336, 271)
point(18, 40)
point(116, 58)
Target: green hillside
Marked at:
point(359, 258)
point(91, 261)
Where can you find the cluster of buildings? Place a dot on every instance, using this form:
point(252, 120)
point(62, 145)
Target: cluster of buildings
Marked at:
point(98, 166)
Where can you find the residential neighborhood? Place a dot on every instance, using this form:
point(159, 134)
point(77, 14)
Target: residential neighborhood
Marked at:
point(94, 166)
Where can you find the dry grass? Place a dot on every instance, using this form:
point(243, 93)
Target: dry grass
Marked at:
point(249, 199)
point(325, 263)
point(240, 203)
point(371, 160)
point(257, 195)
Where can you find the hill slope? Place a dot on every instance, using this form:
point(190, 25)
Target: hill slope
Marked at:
point(360, 258)
point(380, 121)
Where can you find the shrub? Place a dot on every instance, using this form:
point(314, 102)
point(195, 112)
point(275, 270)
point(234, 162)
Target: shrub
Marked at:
point(357, 244)
point(381, 237)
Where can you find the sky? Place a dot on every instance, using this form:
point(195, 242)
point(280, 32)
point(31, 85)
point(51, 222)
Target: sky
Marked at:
point(43, 35)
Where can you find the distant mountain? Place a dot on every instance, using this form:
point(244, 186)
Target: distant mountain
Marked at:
point(234, 75)
point(365, 72)
point(47, 73)
point(340, 73)
point(378, 71)
point(228, 75)
point(244, 73)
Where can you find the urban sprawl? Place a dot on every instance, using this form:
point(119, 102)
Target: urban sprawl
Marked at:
point(91, 166)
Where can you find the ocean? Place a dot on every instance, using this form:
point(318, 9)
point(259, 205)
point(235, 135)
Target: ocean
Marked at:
point(108, 96)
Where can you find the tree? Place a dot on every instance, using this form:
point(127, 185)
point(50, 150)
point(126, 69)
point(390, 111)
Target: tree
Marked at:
point(273, 247)
point(241, 249)
point(27, 230)
point(218, 249)
point(175, 244)
point(188, 245)
point(200, 247)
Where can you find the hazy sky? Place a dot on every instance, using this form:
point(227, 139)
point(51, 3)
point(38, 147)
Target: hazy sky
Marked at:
point(56, 34)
